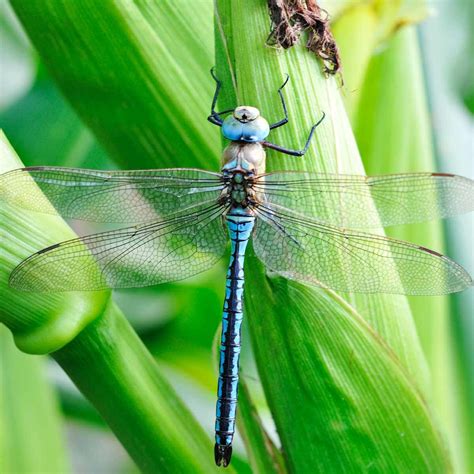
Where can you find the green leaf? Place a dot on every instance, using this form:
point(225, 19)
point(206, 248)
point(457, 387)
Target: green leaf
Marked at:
point(30, 422)
point(341, 400)
point(136, 73)
point(98, 349)
point(44, 129)
point(362, 29)
point(291, 367)
point(264, 456)
point(402, 141)
point(110, 365)
point(31, 317)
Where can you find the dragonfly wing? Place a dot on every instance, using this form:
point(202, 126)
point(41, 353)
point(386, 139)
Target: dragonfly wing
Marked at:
point(109, 196)
point(352, 261)
point(179, 247)
point(369, 201)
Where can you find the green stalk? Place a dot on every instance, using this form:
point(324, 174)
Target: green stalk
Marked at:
point(339, 397)
point(264, 456)
point(402, 142)
point(30, 422)
point(332, 381)
point(308, 343)
point(137, 73)
point(110, 365)
point(362, 22)
point(96, 346)
point(362, 28)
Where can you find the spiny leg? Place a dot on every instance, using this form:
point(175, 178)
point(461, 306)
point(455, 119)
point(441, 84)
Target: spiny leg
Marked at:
point(216, 93)
point(215, 116)
point(301, 152)
point(283, 103)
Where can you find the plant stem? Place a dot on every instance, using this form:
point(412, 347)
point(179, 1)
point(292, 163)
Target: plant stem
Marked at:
point(344, 384)
point(97, 347)
point(31, 423)
point(112, 368)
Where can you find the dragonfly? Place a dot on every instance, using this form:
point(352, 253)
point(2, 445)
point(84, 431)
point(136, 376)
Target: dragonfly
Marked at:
point(309, 227)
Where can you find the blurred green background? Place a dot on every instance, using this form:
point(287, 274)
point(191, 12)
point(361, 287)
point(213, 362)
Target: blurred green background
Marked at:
point(178, 322)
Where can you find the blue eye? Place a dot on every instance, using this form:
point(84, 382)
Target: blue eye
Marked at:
point(232, 128)
point(254, 131)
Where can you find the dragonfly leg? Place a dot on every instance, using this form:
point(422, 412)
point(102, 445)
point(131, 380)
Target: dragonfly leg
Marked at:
point(216, 93)
point(283, 103)
point(215, 117)
point(288, 151)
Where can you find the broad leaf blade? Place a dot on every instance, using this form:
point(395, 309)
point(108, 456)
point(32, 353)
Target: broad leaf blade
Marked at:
point(97, 347)
point(31, 427)
point(340, 398)
point(44, 130)
point(137, 74)
point(403, 141)
point(257, 72)
point(264, 456)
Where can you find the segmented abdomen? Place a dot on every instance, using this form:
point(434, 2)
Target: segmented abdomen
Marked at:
point(240, 225)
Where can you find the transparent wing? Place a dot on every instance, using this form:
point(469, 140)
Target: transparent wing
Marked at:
point(174, 249)
point(368, 201)
point(305, 250)
point(109, 196)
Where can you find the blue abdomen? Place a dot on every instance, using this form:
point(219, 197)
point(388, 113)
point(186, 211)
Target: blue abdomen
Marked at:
point(240, 224)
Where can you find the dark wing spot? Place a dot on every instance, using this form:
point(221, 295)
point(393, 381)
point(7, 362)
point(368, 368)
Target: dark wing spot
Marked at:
point(432, 252)
point(448, 175)
point(47, 249)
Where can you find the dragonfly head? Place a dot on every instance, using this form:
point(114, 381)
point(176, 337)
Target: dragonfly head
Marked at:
point(246, 125)
point(246, 113)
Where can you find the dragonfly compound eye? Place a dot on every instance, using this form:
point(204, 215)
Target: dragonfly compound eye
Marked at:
point(254, 130)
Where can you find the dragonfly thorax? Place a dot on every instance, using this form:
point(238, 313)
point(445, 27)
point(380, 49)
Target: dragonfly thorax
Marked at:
point(246, 157)
point(239, 191)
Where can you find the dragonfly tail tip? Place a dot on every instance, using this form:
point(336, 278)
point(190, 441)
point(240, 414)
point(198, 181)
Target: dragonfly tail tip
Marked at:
point(222, 454)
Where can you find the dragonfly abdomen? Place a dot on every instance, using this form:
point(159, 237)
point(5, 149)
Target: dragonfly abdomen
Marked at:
point(240, 224)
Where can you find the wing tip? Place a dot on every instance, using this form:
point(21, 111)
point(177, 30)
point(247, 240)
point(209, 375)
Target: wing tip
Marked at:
point(463, 279)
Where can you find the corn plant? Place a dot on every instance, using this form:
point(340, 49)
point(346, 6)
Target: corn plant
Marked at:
point(352, 382)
